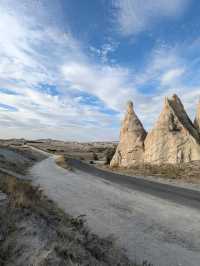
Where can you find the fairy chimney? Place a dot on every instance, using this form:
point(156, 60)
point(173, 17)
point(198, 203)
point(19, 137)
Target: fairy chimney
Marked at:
point(174, 138)
point(130, 149)
point(197, 118)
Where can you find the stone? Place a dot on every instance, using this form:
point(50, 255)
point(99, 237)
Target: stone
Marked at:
point(130, 149)
point(174, 138)
point(197, 118)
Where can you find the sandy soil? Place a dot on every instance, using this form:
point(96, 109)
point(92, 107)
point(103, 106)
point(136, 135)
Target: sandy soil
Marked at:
point(185, 182)
point(150, 228)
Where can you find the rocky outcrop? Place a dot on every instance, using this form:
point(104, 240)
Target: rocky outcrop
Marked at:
point(131, 146)
point(174, 138)
point(197, 118)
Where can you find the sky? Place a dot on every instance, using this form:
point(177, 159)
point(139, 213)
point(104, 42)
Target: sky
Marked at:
point(68, 67)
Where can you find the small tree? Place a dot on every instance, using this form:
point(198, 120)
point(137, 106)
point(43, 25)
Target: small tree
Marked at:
point(109, 155)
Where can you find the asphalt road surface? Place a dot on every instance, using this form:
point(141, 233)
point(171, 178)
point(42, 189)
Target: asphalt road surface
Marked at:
point(187, 197)
point(150, 221)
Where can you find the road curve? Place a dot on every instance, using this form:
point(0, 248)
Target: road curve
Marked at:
point(183, 196)
point(149, 226)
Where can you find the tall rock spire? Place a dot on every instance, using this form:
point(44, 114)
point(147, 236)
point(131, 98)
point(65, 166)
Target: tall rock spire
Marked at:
point(173, 139)
point(197, 118)
point(131, 146)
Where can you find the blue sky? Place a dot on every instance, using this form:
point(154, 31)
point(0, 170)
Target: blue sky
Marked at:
point(68, 67)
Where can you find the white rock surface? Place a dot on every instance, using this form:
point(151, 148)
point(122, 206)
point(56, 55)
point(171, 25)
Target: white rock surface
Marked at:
point(197, 118)
point(131, 146)
point(174, 138)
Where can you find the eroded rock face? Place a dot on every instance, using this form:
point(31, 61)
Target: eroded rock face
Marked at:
point(174, 138)
point(197, 118)
point(131, 146)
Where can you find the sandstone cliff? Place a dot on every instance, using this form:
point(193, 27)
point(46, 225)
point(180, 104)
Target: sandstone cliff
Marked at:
point(197, 118)
point(131, 146)
point(174, 138)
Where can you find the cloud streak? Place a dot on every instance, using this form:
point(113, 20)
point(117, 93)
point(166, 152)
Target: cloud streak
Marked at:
point(135, 16)
point(50, 87)
point(32, 54)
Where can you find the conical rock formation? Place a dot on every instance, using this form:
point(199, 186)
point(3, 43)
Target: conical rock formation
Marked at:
point(174, 138)
point(131, 146)
point(197, 118)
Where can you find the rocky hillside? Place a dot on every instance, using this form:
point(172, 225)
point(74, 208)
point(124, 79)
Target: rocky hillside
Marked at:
point(173, 139)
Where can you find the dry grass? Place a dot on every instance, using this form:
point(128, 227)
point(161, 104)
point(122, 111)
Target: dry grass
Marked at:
point(188, 172)
point(63, 162)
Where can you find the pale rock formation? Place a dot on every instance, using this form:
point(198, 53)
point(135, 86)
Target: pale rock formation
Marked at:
point(197, 118)
point(131, 146)
point(174, 138)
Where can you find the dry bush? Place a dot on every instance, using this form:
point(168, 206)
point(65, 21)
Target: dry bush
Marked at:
point(189, 172)
point(109, 155)
point(21, 193)
point(63, 162)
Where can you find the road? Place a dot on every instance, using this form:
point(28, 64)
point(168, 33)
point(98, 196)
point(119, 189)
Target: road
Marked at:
point(186, 197)
point(153, 222)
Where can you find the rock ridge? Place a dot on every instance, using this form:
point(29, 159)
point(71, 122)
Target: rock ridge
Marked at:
point(173, 139)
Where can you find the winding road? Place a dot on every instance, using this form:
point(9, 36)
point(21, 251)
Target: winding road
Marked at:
point(151, 221)
point(187, 197)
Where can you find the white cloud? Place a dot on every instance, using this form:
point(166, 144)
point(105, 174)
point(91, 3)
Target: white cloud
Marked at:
point(33, 53)
point(158, 65)
point(105, 51)
point(109, 84)
point(172, 75)
point(134, 16)
point(163, 76)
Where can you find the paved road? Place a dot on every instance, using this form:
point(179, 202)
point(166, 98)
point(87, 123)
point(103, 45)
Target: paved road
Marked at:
point(149, 223)
point(187, 197)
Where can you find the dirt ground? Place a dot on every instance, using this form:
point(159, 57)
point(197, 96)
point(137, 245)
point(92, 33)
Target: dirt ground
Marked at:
point(35, 231)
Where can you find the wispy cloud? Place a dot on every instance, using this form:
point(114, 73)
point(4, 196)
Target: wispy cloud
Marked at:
point(31, 56)
point(134, 16)
point(105, 51)
point(50, 87)
point(172, 75)
point(110, 84)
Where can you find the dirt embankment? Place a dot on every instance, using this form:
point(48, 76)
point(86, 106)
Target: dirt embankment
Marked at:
point(18, 159)
point(34, 231)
